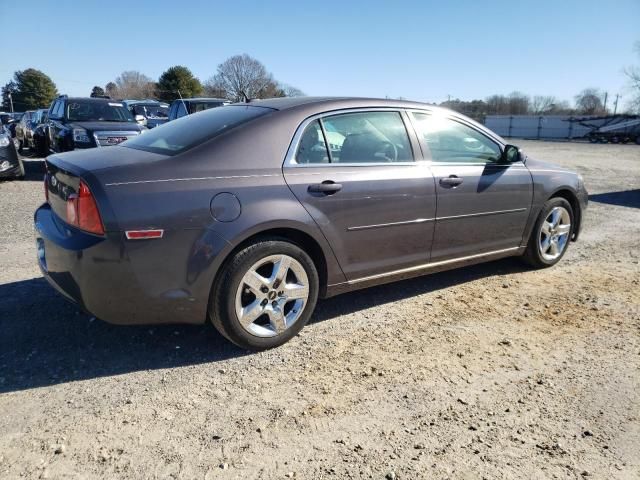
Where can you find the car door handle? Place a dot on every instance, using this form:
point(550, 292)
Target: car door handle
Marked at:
point(327, 187)
point(450, 181)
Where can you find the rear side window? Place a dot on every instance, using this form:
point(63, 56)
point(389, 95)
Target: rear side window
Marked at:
point(312, 147)
point(192, 130)
point(367, 137)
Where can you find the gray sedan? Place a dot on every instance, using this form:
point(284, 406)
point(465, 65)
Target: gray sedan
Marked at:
point(244, 215)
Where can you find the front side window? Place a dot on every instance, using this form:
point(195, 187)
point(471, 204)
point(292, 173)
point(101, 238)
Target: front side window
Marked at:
point(55, 108)
point(451, 141)
point(367, 137)
point(189, 131)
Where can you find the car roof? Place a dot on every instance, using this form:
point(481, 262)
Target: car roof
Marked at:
point(89, 99)
point(331, 103)
point(201, 99)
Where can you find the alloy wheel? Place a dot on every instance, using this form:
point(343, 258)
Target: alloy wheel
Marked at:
point(554, 233)
point(272, 295)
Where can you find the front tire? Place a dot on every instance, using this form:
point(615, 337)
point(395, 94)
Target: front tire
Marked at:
point(264, 295)
point(551, 234)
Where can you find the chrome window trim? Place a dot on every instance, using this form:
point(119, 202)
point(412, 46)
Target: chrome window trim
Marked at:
point(289, 160)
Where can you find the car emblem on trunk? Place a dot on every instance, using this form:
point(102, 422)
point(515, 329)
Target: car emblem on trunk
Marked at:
point(115, 140)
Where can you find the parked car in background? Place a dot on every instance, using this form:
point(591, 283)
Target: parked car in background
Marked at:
point(41, 135)
point(186, 222)
point(187, 106)
point(154, 112)
point(89, 122)
point(24, 129)
point(10, 163)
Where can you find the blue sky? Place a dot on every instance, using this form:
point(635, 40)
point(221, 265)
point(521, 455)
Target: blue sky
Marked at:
point(421, 50)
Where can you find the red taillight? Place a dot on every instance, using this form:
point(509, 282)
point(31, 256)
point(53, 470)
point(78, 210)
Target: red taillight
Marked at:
point(82, 211)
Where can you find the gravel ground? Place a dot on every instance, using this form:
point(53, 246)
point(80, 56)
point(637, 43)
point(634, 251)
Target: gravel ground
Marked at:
point(492, 371)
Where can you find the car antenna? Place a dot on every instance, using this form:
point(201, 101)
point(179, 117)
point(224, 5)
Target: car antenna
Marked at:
point(182, 100)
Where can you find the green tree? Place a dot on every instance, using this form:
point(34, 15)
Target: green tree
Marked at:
point(34, 90)
point(178, 79)
point(97, 91)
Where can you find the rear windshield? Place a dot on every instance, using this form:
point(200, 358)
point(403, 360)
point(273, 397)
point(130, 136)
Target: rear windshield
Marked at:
point(187, 132)
point(200, 106)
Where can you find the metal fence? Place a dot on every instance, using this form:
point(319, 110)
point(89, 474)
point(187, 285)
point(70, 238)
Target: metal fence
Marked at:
point(536, 126)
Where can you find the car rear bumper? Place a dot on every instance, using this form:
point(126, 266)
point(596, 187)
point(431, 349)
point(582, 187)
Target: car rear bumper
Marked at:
point(127, 282)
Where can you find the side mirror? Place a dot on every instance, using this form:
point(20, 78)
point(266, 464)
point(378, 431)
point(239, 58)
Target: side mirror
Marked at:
point(141, 120)
point(511, 154)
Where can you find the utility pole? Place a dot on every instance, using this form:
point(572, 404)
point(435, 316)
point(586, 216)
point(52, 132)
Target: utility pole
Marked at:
point(615, 105)
point(11, 101)
point(606, 94)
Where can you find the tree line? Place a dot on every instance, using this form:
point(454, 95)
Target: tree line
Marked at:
point(238, 78)
point(241, 76)
point(590, 101)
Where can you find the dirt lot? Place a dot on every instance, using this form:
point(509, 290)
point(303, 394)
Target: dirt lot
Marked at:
point(493, 371)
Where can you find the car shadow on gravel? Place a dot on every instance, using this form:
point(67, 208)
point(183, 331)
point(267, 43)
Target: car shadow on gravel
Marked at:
point(625, 198)
point(393, 292)
point(45, 340)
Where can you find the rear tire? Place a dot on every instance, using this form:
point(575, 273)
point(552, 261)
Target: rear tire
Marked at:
point(264, 295)
point(551, 234)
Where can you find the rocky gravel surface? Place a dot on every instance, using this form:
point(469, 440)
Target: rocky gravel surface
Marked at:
point(492, 371)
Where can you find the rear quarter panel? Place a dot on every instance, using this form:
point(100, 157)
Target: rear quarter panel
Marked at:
point(175, 194)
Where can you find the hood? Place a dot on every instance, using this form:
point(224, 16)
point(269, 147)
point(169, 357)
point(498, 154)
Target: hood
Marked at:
point(107, 126)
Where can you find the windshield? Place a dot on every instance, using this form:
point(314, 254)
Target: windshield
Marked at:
point(151, 111)
point(187, 132)
point(78, 111)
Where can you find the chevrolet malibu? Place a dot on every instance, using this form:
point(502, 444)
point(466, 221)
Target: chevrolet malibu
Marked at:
point(245, 215)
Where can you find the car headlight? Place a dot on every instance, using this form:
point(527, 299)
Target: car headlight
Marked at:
point(4, 140)
point(80, 135)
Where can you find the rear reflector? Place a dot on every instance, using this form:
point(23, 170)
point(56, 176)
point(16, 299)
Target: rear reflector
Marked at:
point(82, 211)
point(143, 234)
